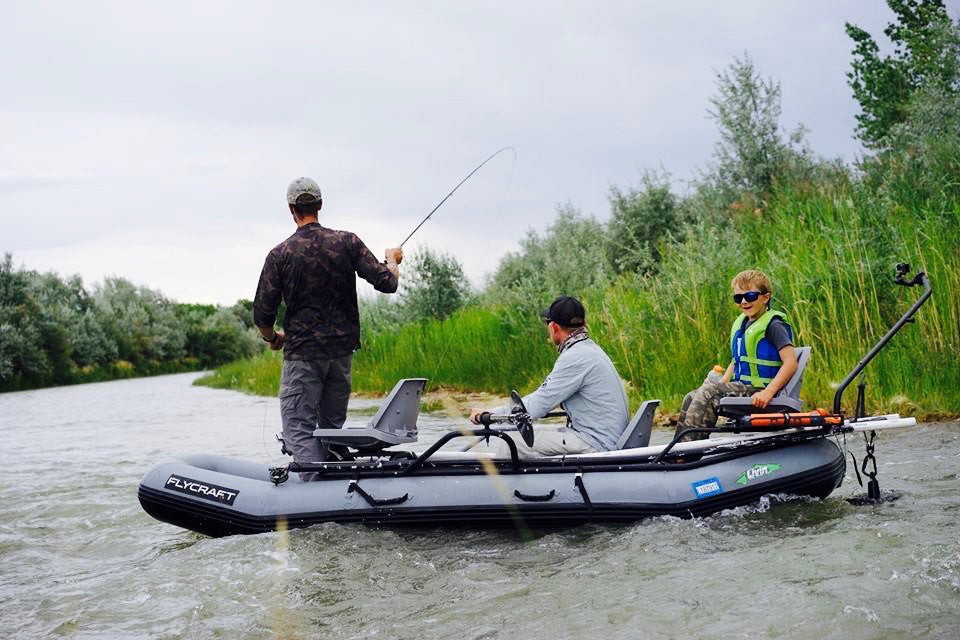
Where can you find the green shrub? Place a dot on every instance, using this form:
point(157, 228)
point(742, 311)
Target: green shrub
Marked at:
point(925, 58)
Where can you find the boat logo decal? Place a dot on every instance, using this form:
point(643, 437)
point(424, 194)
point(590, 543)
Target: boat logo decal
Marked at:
point(758, 471)
point(199, 489)
point(706, 488)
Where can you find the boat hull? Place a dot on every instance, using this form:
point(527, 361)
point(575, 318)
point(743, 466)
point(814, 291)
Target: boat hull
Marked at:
point(220, 496)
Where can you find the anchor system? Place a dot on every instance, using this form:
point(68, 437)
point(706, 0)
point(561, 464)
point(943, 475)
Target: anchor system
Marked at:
point(869, 465)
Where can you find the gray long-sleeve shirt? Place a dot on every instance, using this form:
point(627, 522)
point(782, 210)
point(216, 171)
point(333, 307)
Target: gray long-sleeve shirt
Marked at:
point(584, 379)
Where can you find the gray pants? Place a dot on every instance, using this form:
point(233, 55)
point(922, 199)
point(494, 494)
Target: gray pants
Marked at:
point(547, 441)
point(699, 408)
point(313, 395)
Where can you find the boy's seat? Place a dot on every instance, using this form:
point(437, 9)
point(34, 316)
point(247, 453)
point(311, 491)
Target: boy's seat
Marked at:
point(787, 399)
point(637, 433)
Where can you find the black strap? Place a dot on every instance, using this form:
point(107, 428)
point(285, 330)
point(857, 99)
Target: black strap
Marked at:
point(578, 483)
point(854, 458)
point(373, 502)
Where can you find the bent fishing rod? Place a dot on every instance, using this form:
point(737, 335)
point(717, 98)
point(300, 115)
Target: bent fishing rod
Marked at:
point(496, 153)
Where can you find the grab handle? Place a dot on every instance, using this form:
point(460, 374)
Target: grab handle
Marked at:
point(374, 502)
point(528, 498)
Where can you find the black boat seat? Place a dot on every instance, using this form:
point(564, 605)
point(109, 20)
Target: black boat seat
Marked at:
point(637, 433)
point(394, 423)
point(787, 399)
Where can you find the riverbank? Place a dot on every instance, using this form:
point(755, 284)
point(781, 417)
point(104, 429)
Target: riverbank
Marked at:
point(829, 246)
point(261, 376)
point(117, 370)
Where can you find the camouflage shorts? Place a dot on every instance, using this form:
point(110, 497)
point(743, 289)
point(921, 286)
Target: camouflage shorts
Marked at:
point(699, 408)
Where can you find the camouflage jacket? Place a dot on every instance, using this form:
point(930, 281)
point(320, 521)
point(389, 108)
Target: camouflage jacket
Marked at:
point(313, 272)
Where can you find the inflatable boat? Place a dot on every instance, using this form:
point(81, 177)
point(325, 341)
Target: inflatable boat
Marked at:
point(781, 451)
point(220, 496)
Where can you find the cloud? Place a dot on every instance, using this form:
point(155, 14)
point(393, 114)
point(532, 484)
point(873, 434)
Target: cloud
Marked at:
point(134, 132)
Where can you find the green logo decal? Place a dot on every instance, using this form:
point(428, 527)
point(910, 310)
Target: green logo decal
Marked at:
point(757, 471)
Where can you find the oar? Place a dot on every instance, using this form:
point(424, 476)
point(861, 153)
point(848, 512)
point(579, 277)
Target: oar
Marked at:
point(552, 414)
point(876, 423)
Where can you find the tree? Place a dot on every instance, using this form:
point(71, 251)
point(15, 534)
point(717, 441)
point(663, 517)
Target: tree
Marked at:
point(52, 329)
point(751, 150)
point(61, 303)
point(380, 312)
point(91, 344)
point(569, 259)
point(926, 57)
point(243, 309)
point(143, 322)
point(435, 288)
point(642, 221)
point(222, 337)
point(21, 358)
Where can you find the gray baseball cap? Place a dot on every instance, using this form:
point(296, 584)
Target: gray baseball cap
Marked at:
point(303, 191)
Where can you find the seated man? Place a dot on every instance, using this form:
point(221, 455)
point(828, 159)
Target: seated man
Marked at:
point(764, 359)
point(584, 380)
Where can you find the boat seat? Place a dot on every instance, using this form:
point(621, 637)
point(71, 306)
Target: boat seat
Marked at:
point(637, 433)
point(787, 399)
point(394, 423)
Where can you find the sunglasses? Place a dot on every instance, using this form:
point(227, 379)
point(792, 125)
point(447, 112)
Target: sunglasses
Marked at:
point(749, 296)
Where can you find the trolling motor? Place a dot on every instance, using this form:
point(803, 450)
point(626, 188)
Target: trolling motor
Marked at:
point(869, 466)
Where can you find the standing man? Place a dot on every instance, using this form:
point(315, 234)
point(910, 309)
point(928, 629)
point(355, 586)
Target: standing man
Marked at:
point(584, 380)
point(314, 272)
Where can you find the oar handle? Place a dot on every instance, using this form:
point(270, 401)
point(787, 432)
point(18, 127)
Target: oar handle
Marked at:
point(487, 418)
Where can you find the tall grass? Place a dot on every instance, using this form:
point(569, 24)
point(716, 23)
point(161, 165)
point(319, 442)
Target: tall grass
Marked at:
point(473, 349)
point(830, 253)
point(829, 247)
point(258, 375)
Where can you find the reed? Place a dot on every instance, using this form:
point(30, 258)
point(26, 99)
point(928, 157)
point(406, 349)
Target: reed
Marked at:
point(474, 349)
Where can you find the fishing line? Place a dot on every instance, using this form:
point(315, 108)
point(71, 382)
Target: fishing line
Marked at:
point(506, 187)
point(263, 432)
point(503, 196)
point(452, 191)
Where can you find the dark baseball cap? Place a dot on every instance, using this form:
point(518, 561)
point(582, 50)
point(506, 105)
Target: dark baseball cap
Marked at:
point(566, 311)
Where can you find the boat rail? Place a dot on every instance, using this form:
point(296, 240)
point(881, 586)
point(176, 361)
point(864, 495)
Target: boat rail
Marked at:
point(407, 464)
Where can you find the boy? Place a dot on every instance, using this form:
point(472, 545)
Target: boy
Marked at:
point(764, 359)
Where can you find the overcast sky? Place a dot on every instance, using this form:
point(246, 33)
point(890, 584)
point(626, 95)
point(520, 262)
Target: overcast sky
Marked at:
point(156, 142)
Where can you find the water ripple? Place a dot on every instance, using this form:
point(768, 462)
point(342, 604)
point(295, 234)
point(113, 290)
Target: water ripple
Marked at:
point(81, 560)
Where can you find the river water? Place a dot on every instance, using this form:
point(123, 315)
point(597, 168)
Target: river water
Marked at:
point(80, 559)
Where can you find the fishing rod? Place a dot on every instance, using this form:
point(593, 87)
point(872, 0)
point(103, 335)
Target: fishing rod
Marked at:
point(457, 187)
